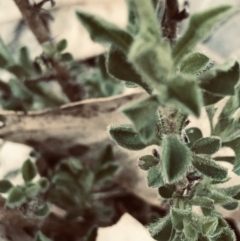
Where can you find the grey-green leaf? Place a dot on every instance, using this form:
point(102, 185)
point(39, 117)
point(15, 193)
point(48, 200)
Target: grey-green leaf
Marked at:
point(29, 171)
point(175, 154)
point(155, 177)
point(166, 191)
point(148, 161)
point(193, 135)
point(104, 32)
point(162, 229)
point(61, 45)
point(126, 137)
point(200, 27)
point(5, 186)
point(184, 92)
point(16, 197)
point(119, 67)
point(143, 116)
point(194, 63)
point(221, 80)
point(209, 168)
point(207, 145)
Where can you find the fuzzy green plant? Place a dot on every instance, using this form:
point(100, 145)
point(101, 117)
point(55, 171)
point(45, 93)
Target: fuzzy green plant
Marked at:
point(179, 84)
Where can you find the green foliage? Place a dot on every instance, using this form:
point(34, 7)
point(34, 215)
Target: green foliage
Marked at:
point(126, 137)
point(105, 32)
point(28, 171)
point(148, 161)
point(16, 197)
point(5, 186)
point(202, 22)
point(194, 63)
point(207, 145)
point(143, 115)
point(175, 154)
point(162, 229)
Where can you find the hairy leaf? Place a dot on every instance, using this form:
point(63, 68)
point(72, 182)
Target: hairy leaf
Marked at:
point(235, 145)
point(5, 186)
point(148, 161)
point(162, 229)
point(175, 154)
point(31, 190)
point(177, 216)
point(210, 98)
point(221, 80)
point(29, 171)
point(211, 110)
point(155, 177)
point(107, 171)
point(201, 201)
point(193, 63)
point(126, 137)
point(184, 92)
point(119, 67)
point(44, 184)
point(105, 32)
point(25, 61)
point(209, 168)
point(199, 28)
point(19, 71)
point(3, 61)
point(143, 116)
point(207, 145)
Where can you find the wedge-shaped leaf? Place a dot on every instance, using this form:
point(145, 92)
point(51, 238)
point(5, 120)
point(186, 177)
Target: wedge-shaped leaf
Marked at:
point(201, 201)
point(226, 234)
point(106, 155)
point(155, 177)
point(5, 186)
point(221, 198)
point(162, 229)
point(104, 32)
point(229, 159)
point(16, 197)
point(233, 191)
point(119, 67)
point(177, 216)
point(61, 45)
point(175, 154)
point(143, 115)
point(193, 135)
point(151, 60)
point(166, 191)
point(209, 225)
point(133, 18)
point(231, 205)
point(210, 98)
point(126, 137)
point(209, 168)
point(207, 145)
point(148, 161)
point(41, 237)
point(190, 233)
point(199, 28)
point(184, 92)
point(234, 144)
point(43, 211)
point(29, 171)
point(193, 63)
point(221, 80)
